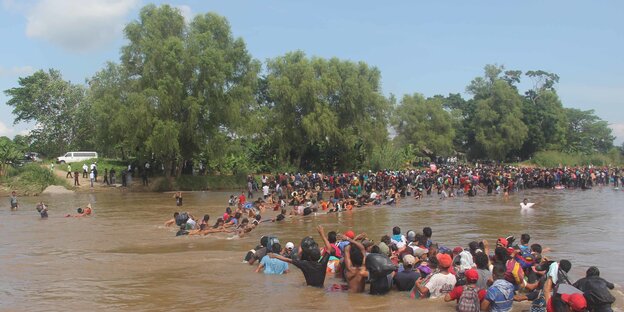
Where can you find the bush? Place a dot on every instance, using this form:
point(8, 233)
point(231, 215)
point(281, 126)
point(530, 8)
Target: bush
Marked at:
point(554, 159)
point(32, 179)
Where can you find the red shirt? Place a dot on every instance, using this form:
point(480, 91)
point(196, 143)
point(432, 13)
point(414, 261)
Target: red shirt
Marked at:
point(458, 290)
point(242, 199)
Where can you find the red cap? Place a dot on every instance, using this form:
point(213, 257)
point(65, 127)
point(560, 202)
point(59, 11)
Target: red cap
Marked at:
point(444, 260)
point(350, 234)
point(576, 301)
point(457, 250)
point(471, 275)
point(503, 241)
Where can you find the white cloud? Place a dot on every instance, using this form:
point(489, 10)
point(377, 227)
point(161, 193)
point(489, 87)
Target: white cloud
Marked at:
point(618, 132)
point(186, 12)
point(11, 131)
point(6, 130)
point(16, 71)
point(78, 25)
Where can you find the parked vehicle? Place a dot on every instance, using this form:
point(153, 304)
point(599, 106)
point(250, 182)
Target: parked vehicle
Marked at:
point(71, 157)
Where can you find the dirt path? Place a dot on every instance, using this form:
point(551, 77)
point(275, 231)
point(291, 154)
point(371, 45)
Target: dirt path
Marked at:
point(98, 186)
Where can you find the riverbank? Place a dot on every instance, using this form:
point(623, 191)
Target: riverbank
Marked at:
point(32, 180)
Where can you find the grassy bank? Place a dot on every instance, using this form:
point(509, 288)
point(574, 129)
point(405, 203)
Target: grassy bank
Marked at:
point(554, 159)
point(31, 179)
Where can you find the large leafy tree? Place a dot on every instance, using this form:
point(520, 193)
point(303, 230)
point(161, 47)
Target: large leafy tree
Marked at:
point(543, 114)
point(495, 121)
point(56, 106)
point(587, 133)
point(424, 123)
point(324, 113)
point(178, 86)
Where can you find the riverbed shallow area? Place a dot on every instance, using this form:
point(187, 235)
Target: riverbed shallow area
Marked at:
point(122, 258)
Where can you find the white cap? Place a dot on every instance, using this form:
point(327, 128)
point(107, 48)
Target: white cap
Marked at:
point(290, 245)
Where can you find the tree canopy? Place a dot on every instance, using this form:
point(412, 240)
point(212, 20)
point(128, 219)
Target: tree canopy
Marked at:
point(189, 91)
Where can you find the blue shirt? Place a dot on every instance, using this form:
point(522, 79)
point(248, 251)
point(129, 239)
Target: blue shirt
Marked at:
point(273, 266)
point(500, 295)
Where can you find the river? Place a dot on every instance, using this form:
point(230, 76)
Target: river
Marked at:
point(123, 258)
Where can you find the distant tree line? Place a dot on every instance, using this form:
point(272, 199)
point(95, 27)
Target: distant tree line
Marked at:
point(184, 93)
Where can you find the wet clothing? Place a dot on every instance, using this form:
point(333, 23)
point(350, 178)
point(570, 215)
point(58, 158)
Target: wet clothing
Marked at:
point(313, 271)
point(13, 202)
point(440, 284)
point(381, 286)
point(405, 280)
point(500, 295)
point(273, 266)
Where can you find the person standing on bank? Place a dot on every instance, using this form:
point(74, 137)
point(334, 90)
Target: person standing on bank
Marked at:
point(69, 171)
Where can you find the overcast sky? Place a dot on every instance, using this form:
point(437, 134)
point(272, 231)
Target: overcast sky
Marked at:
point(425, 47)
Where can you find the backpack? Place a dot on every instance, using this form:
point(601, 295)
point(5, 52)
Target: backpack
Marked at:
point(539, 304)
point(469, 300)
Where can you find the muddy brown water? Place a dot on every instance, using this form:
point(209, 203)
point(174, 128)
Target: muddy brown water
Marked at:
point(123, 259)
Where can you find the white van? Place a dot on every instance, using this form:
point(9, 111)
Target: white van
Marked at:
point(71, 157)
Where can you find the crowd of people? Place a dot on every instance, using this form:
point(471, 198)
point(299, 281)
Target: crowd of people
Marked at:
point(475, 277)
point(446, 181)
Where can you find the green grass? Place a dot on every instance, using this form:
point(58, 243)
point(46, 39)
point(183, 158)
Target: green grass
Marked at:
point(31, 179)
point(555, 158)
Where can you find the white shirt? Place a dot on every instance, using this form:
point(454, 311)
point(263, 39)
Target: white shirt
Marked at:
point(441, 284)
point(373, 195)
point(265, 190)
point(527, 205)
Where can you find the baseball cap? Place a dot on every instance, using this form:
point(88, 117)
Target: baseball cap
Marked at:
point(350, 234)
point(457, 250)
point(471, 275)
point(290, 245)
point(409, 260)
point(444, 260)
point(576, 301)
point(502, 241)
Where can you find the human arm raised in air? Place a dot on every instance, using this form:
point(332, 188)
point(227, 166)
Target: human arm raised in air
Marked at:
point(280, 257)
point(328, 246)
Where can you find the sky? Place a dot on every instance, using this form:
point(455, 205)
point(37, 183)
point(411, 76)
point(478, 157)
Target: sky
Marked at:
point(428, 47)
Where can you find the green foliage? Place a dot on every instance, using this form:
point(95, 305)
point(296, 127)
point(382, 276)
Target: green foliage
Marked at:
point(178, 86)
point(191, 92)
point(587, 133)
point(495, 124)
point(390, 156)
point(326, 114)
point(554, 159)
point(425, 124)
point(55, 104)
point(32, 179)
point(9, 154)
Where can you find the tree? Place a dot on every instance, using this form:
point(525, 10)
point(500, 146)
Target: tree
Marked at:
point(587, 133)
point(425, 124)
point(495, 122)
point(177, 86)
point(329, 114)
point(9, 154)
point(543, 114)
point(53, 104)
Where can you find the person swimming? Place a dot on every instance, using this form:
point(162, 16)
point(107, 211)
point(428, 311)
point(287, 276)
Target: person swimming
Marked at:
point(82, 212)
